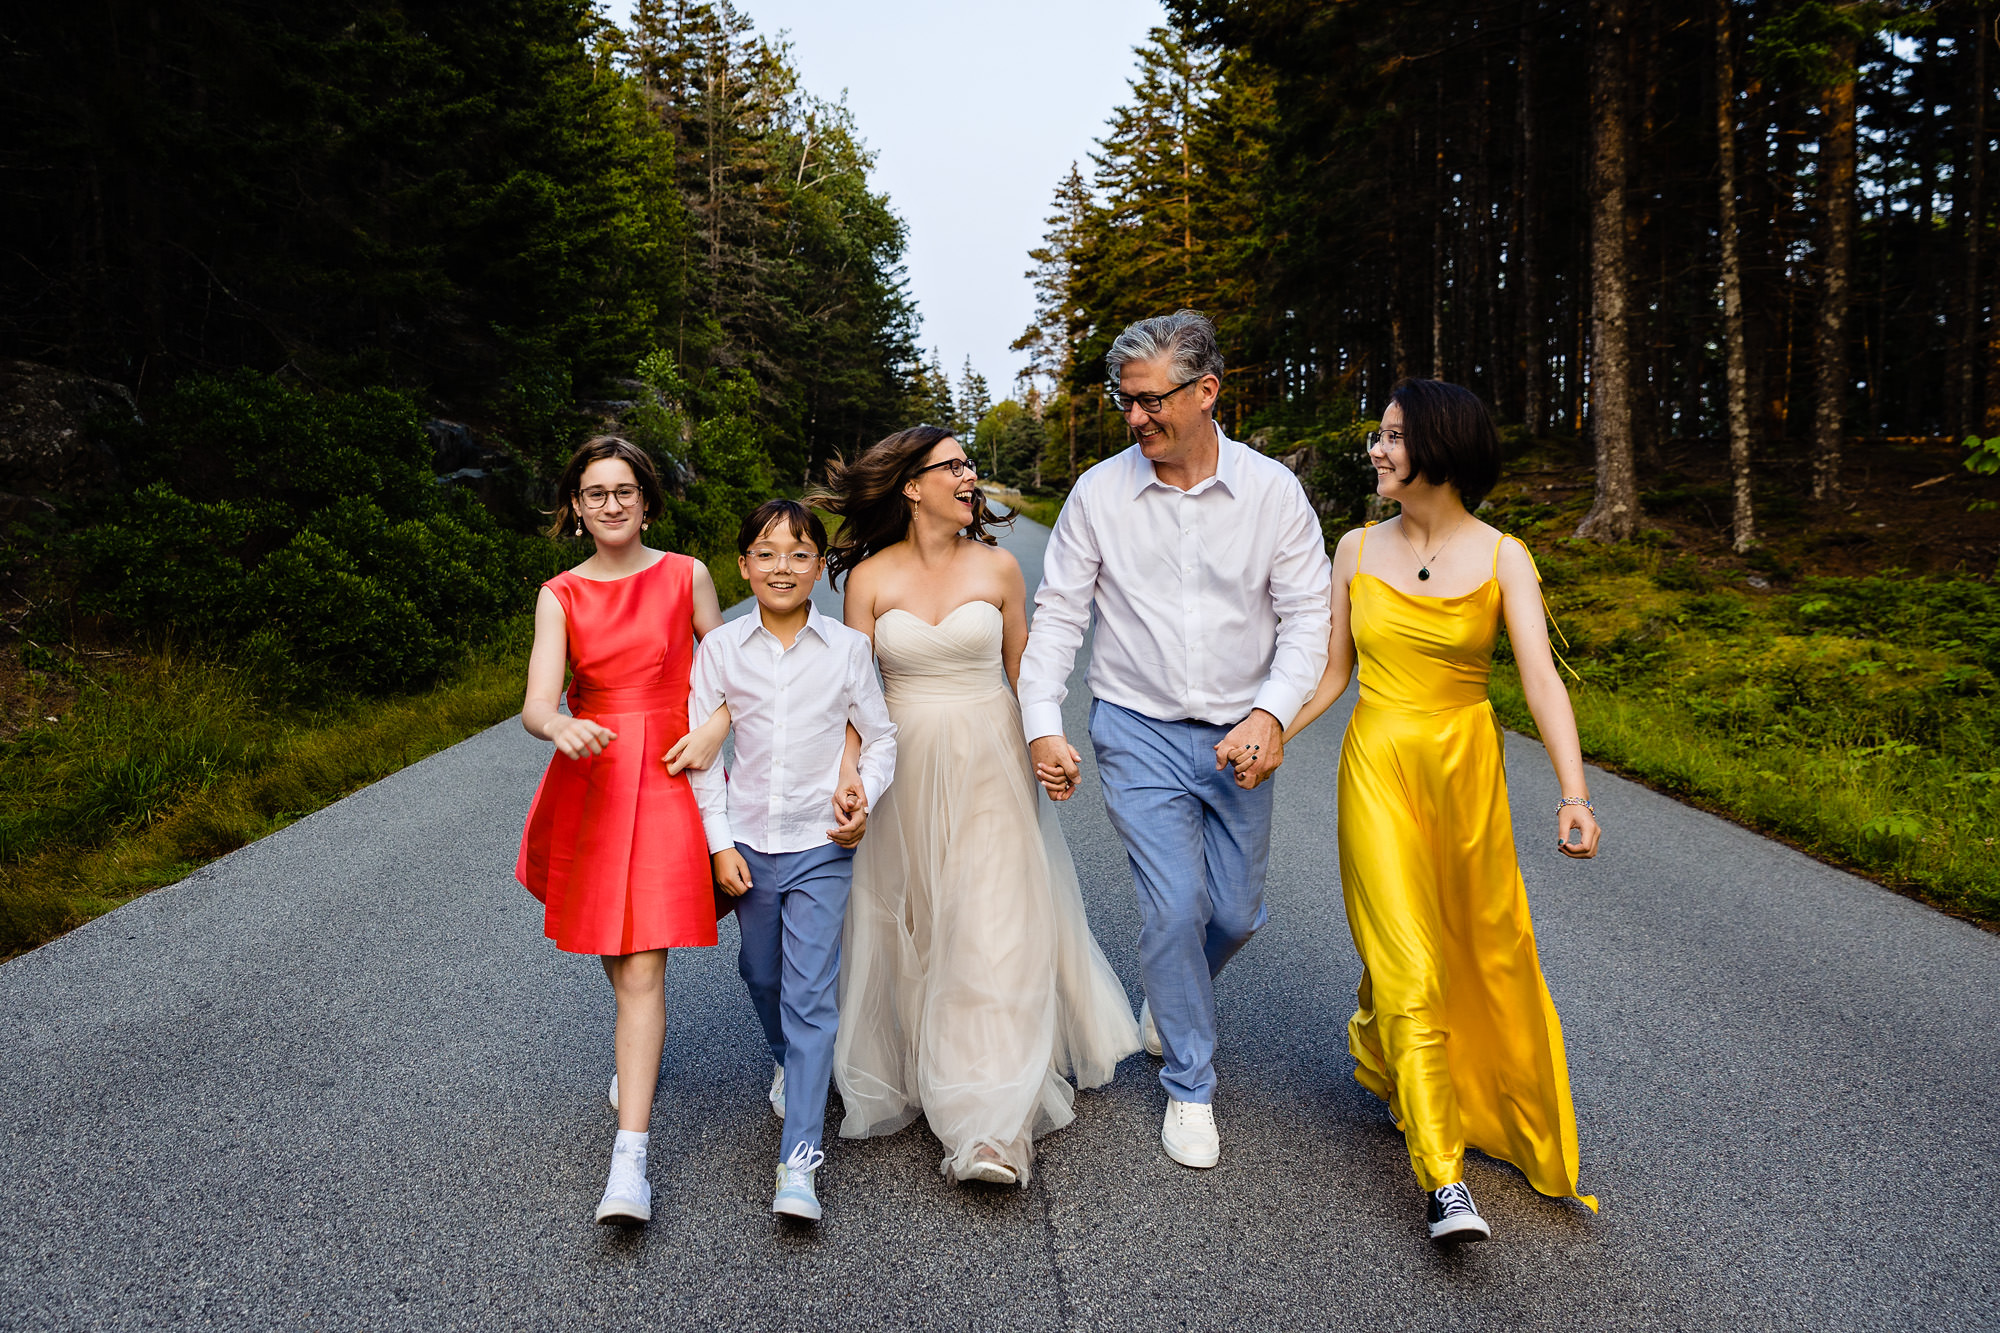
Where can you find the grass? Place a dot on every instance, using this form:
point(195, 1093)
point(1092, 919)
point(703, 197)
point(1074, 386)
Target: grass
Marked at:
point(1857, 718)
point(134, 775)
point(1041, 509)
point(165, 761)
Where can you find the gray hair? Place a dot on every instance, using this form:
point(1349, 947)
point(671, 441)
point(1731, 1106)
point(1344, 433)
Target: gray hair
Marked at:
point(1186, 338)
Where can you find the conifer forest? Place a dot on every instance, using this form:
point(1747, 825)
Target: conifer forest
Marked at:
point(303, 305)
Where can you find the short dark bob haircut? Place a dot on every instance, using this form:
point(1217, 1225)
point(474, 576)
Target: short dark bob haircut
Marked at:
point(1449, 437)
point(567, 515)
point(803, 522)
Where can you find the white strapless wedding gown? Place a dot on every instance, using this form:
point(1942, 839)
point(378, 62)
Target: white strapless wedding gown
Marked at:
point(970, 983)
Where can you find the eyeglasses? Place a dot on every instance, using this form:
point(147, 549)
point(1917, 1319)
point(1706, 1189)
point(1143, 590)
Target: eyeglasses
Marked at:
point(959, 468)
point(798, 562)
point(1147, 402)
point(594, 497)
point(1392, 438)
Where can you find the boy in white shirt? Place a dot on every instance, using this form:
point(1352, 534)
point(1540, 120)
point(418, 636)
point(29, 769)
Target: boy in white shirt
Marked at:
point(794, 682)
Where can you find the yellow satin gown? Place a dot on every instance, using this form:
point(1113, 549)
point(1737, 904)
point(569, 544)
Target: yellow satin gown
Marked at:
point(1455, 1028)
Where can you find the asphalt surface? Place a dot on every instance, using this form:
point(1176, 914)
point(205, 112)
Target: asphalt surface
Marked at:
point(339, 1080)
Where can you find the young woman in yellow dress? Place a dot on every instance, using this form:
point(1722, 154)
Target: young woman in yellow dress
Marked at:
point(1455, 1029)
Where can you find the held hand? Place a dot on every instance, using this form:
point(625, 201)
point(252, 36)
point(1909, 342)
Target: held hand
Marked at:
point(1579, 818)
point(577, 737)
point(1256, 745)
point(732, 872)
point(1055, 765)
point(850, 809)
point(699, 748)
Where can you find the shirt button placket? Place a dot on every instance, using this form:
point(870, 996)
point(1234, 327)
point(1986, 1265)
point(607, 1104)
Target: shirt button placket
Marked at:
point(1190, 602)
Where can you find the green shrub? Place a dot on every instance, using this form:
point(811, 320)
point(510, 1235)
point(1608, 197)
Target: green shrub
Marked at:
point(308, 532)
point(167, 562)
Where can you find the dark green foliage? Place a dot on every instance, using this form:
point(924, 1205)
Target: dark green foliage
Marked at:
point(315, 536)
point(505, 203)
point(1719, 611)
point(1681, 574)
point(706, 448)
point(1961, 616)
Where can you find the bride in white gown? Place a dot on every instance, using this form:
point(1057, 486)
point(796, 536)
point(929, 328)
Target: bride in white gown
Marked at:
point(970, 984)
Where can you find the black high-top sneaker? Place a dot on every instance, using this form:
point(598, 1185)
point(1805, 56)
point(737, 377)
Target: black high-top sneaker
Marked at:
point(1453, 1216)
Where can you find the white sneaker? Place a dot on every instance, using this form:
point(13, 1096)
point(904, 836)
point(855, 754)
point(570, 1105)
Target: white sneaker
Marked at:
point(778, 1093)
point(627, 1198)
point(614, 1092)
point(794, 1196)
point(1149, 1035)
point(1189, 1134)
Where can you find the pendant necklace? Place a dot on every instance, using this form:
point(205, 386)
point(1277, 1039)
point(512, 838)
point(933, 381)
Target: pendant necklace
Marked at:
point(1423, 565)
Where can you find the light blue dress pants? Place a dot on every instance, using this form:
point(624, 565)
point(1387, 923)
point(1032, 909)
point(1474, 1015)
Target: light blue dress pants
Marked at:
point(791, 921)
point(1199, 846)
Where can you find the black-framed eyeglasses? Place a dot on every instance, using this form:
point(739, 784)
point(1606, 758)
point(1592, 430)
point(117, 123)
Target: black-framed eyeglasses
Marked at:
point(959, 467)
point(1147, 402)
point(594, 497)
point(1392, 438)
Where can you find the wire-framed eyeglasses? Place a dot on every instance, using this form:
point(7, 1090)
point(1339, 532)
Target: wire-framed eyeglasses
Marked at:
point(959, 468)
point(1146, 402)
point(1392, 438)
point(767, 561)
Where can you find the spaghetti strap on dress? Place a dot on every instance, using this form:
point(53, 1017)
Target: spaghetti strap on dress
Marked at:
point(614, 847)
point(1454, 1026)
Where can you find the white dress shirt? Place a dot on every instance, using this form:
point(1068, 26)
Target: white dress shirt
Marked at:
point(789, 709)
point(1210, 601)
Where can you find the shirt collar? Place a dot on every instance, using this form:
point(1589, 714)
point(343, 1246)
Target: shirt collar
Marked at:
point(815, 622)
point(1228, 466)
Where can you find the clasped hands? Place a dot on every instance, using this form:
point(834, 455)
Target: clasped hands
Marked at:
point(850, 812)
point(1255, 746)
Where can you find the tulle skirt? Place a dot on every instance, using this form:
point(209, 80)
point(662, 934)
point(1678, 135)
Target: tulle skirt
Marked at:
point(970, 984)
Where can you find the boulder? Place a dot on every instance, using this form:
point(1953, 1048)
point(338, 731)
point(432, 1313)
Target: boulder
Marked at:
point(46, 416)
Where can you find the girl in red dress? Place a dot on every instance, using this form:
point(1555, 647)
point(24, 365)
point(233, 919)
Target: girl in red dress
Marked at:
point(614, 847)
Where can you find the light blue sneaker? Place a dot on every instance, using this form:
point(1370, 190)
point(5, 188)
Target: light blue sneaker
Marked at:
point(795, 1197)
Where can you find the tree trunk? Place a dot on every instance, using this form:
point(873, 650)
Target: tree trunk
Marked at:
point(1742, 517)
point(1973, 222)
point(1437, 238)
point(1830, 363)
point(1527, 212)
point(1614, 515)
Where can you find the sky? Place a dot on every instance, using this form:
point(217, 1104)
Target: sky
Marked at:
point(975, 112)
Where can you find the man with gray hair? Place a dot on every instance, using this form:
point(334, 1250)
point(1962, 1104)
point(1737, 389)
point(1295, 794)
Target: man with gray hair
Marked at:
point(1208, 573)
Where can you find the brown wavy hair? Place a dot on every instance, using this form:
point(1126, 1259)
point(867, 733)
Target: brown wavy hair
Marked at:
point(867, 496)
point(596, 451)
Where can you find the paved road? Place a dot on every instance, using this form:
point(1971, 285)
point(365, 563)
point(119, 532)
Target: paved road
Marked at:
point(338, 1080)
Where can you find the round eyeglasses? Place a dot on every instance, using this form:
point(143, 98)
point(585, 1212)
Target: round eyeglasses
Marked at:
point(769, 562)
point(596, 497)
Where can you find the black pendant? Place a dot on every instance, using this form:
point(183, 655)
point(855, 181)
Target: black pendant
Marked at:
point(1423, 574)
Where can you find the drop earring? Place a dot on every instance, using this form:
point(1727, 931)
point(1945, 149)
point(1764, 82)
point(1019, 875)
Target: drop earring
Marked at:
point(579, 527)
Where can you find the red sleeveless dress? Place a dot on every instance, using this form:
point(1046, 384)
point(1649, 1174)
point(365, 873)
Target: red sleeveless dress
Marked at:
point(614, 847)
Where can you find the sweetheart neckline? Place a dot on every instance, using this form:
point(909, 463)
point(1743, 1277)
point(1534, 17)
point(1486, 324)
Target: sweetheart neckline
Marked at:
point(977, 601)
